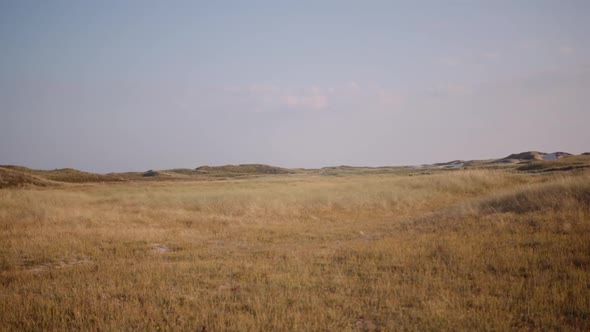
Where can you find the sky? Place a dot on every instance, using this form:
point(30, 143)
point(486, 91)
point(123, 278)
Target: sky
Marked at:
point(110, 86)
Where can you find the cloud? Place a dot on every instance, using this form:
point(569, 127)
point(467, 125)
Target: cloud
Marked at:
point(450, 61)
point(348, 96)
point(454, 89)
point(271, 98)
point(291, 101)
point(353, 85)
point(313, 102)
point(388, 99)
point(263, 89)
point(566, 50)
point(469, 58)
point(317, 102)
point(491, 56)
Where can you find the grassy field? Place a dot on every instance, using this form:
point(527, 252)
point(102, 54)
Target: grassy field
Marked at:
point(453, 250)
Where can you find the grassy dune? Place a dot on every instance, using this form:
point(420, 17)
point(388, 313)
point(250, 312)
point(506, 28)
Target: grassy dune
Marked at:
point(459, 250)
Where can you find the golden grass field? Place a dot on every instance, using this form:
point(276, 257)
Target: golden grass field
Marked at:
point(454, 250)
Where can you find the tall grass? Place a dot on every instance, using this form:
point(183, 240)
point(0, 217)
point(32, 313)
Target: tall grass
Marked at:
point(451, 251)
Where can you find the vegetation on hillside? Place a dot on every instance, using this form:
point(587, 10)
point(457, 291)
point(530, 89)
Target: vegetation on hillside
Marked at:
point(244, 169)
point(452, 250)
point(563, 164)
point(529, 162)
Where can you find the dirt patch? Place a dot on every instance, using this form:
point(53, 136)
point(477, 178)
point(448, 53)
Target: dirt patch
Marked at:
point(366, 325)
point(161, 248)
point(59, 265)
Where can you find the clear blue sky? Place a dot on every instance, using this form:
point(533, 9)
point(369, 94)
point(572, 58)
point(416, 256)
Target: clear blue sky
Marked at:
point(133, 85)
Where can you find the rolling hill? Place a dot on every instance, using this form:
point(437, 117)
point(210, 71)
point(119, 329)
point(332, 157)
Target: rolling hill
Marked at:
point(530, 161)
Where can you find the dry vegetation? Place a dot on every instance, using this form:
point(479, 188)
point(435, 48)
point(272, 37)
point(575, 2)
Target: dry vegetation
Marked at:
point(563, 164)
point(457, 250)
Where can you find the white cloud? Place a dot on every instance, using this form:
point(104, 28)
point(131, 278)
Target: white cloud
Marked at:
point(348, 96)
point(491, 56)
point(469, 59)
point(566, 50)
point(388, 99)
point(263, 89)
point(353, 85)
point(290, 101)
point(271, 97)
point(454, 89)
point(450, 61)
point(316, 102)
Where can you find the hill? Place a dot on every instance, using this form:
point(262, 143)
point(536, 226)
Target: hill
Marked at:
point(14, 178)
point(568, 163)
point(68, 175)
point(450, 164)
point(532, 156)
point(530, 161)
point(243, 169)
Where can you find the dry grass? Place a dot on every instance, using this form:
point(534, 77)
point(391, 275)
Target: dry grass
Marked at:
point(563, 164)
point(61, 175)
point(486, 250)
point(11, 178)
point(243, 169)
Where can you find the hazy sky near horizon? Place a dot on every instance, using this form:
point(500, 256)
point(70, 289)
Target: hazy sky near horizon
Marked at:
point(110, 85)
